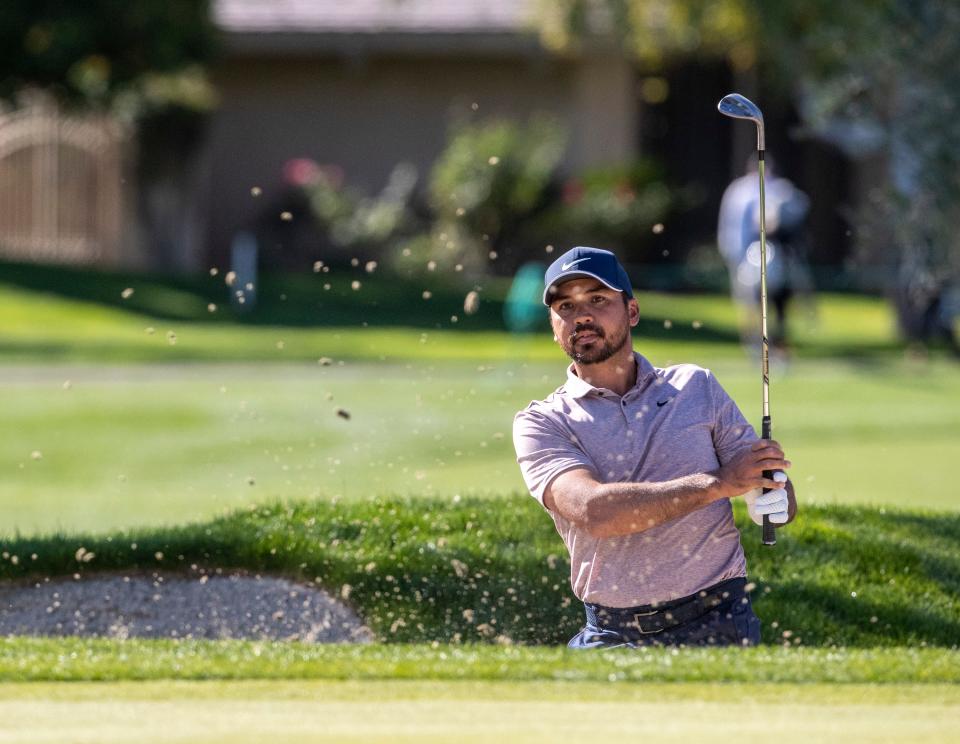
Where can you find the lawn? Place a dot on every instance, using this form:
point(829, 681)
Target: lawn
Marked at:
point(431, 711)
point(68, 315)
point(42, 661)
point(460, 570)
point(245, 692)
point(136, 445)
point(110, 426)
point(147, 425)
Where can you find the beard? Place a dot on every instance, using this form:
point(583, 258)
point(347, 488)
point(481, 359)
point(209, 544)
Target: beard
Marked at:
point(598, 350)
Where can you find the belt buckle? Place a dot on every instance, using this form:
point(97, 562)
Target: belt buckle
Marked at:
point(638, 615)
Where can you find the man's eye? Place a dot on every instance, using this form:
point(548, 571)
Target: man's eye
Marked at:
point(564, 306)
point(597, 299)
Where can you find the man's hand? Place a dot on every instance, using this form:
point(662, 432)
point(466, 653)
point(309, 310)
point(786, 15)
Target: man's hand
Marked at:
point(745, 471)
point(776, 503)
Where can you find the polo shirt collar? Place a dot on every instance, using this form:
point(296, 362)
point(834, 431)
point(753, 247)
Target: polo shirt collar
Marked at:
point(579, 388)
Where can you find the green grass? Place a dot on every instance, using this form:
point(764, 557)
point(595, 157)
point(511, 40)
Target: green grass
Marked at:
point(160, 691)
point(156, 452)
point(76, 660)
point(154, 439)
point(486, 569)
point(139, 445)
point(418, 711)
point(59, 314)
point(157, 438)
point(52, 330)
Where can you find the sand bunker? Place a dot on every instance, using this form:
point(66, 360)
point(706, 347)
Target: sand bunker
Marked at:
point(165, 605)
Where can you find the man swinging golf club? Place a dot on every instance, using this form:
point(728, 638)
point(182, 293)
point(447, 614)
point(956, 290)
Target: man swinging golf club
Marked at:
point(637, 466)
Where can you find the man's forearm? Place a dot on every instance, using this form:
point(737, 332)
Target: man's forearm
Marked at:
point(616, 509)
point(613, 509)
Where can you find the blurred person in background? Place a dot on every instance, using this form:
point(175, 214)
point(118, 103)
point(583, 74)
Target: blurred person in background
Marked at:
point(738, 238)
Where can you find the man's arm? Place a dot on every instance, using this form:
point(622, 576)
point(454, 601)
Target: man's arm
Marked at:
point(614, 509)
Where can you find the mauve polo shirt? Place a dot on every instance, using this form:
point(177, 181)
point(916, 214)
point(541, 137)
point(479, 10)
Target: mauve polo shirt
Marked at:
point(674, 422)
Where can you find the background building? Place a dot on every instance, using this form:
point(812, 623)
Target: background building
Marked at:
point(364, 86)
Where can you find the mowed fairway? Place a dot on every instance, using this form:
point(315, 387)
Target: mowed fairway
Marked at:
point(110, 427)
point(361, 711)
point(124, 446)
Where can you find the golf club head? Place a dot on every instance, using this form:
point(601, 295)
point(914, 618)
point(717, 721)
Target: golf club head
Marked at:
point(740, 107)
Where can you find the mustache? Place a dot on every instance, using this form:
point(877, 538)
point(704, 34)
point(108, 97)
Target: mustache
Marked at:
point(586, 327)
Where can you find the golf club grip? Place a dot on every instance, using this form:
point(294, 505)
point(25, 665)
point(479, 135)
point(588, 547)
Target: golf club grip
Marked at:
point(769, 531)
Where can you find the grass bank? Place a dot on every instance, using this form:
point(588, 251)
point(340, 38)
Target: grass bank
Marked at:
point(76, 660)
point(467, 569)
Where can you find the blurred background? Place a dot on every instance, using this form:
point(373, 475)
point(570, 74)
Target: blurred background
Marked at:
point(368, 192)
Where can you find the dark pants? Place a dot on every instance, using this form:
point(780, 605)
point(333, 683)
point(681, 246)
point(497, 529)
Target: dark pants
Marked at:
point(720, 615)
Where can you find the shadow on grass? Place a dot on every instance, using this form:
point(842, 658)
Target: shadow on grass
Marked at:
point(300, 300)
point(287, 300)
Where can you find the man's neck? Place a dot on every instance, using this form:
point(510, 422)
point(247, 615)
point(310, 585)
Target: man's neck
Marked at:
point(618, 373)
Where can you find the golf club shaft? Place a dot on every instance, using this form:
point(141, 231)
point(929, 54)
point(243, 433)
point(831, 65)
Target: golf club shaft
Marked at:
point(737, 106)
point(769, 532)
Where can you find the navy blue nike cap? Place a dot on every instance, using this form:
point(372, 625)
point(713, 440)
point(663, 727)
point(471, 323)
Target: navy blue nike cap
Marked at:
point(583, 261)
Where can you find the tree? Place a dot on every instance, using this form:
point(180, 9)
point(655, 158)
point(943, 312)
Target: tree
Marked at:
point(886, 66)
point(132, 57)
point(143, 61)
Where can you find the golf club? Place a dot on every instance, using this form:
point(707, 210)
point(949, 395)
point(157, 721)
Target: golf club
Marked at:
point(737, 106)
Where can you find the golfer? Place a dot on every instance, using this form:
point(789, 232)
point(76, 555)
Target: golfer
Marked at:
point(637, 466)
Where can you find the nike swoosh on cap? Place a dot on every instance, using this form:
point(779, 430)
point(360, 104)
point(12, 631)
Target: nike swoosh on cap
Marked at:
point(566, 266)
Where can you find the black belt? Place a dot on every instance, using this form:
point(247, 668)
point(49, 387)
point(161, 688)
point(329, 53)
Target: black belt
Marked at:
point(664, 615)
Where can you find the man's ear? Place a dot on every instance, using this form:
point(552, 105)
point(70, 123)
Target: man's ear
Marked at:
point(633, 312)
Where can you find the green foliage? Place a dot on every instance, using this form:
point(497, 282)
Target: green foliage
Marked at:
point(134, 57)
point(373, 224)
point(887, 71)
point(473, 570)
point(796, 40)
point(899, 76)
point(494, 190)
point(654, 30)
point(616, 206)
point(491, 177)
point(883, 72)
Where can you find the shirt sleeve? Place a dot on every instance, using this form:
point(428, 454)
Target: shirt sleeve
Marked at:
point(731, 430)
point(544, 451)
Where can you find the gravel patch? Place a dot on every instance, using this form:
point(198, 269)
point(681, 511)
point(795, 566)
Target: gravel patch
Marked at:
point(158, 605)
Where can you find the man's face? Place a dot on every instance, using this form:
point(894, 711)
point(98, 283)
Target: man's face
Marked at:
point(590, 321)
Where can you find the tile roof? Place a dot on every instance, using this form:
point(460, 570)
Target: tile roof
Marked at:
point(373, 16)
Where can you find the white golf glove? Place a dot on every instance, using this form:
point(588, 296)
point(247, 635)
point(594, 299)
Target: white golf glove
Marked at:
point(775, 502)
